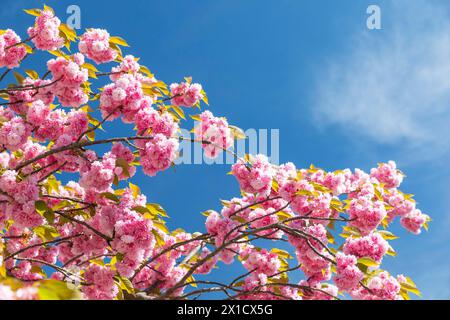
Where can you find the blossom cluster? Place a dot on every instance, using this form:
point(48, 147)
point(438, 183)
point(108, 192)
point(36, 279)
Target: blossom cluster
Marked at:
point(310, 201)
point(100, 234)
point(11, 52)
point(45, 34)
point(95, 45)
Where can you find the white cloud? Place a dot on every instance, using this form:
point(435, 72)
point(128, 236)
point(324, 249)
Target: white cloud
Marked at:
point(393, 85)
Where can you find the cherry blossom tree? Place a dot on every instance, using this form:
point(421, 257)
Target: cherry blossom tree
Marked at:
point(98, 237)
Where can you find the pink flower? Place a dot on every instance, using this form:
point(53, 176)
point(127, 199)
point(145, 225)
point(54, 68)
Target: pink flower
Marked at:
point(223, 229)
point(128, 64)
point(124, 96)
point(38, 113)
point(71, 96)
point(11, 54)
point(301, 244)
point(348, 274)
point(134, 239)
point(319, 291)
point(186, 94)
point(414, 221)
point(373, 246)
point(100, 176)
point(24, 271)
point(77, 123)
point(14, 133)
point(102, 283)
point(285, 172)
point(206, 267)
point(261, 218)
point(214, 133)
point(52, 127)
point(68, 77)
point(257, 178)
point(45, 32)
point(388, 174)
point(382, 286)
point(68, 72)
point(148, 120)
point(262, 261)
point(158, 154)
point(367, 214)
point(94, 43)
point(19, 99)
point(402, 206)
point(297, 191)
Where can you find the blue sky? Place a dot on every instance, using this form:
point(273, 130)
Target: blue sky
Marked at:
point(340, 94)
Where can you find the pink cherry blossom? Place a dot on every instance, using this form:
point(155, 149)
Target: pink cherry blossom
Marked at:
point(14, 133)
point(414, 221)
point(257, 178)
point(388, 174)
point(366, 215)
point(68, 76)
point(124, 96)
point(10, 53)
point(158, 154)
point(214, 134)
point(45, 33)
point(38, 112)
point(154, 122)
point(372, 246)
point(186, 94)
point(348, 274)
point(101, 282)
point(94, 43)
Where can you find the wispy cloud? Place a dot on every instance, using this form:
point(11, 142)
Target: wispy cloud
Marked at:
point(393, 85)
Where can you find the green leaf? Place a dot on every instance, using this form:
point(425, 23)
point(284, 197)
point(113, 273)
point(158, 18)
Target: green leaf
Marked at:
point(46, 212)
point(161, 226)
point(122, 163)
point(47, 8)
point(238, 133)
point(141, 209)
point(125, 284)
point(146, 71)
point(46, 233)
point(33, 12)
point(281, 253)
point(195, 117)
point(135, 189)
point(156, 209)
point(56, 290)
point(110, 196)
point(19, 77)
point(387, 235)
point(411, 288)
point(49, 215)
point(159, 239)
point(70, 34)
point(28, 48)
point(282, 215)
point(205, 97)
point(119, 41)
point(41, 207)
point(32, 74)
point(368, 262)
point(179, 112)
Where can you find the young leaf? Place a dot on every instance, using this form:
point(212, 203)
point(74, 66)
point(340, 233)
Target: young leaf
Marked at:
point(119, 41)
